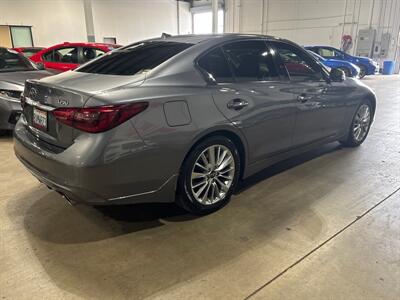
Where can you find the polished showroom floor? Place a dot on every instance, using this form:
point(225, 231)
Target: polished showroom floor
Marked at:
point(323, 225)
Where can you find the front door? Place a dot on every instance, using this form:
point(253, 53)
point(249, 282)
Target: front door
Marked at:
point(320, 111)
point(251, 94)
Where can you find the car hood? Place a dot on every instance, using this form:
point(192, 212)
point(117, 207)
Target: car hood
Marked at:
point(15, 80)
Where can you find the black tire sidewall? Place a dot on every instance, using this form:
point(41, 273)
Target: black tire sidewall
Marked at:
point(363, 71)
point(186, 197)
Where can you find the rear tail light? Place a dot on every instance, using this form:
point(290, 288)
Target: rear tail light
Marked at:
point(100, 118)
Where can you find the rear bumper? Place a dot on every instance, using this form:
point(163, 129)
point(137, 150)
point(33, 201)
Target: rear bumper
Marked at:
point(10, 111)
point(94, 183)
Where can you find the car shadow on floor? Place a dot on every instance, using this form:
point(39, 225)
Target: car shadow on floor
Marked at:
point(139, 250)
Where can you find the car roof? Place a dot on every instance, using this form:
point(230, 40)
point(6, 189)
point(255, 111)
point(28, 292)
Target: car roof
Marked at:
point(324, 46)
point(84, 44)
point(200, 38)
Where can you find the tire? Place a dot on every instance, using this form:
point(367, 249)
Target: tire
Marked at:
point(346, 71)
point(356, 137)
point(363, 72)
point(204, 187)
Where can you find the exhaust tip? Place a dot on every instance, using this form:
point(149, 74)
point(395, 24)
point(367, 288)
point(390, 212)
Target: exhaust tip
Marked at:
point(69, 200)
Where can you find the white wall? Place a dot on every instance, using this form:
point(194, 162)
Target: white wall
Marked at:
point(133, 20)
point(52, 21)
point(55, 21)
point(312, 21)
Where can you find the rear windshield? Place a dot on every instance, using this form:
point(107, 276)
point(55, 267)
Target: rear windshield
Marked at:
point(134, 59)
point(12, 61)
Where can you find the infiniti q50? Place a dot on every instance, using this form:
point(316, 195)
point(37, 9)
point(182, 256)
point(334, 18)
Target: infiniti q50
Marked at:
point(184, 118)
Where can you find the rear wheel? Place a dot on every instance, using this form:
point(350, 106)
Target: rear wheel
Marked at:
point(209, 175)
point(359, 126)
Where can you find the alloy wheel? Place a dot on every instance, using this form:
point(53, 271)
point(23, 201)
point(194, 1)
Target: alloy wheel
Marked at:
point(362, 121)
point(212, 174)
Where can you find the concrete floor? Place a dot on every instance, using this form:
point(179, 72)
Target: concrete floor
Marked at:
point(325, 224)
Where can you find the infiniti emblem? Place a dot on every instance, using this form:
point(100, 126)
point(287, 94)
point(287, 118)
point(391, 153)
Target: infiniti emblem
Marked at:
point(32, 93)
point(62, 102)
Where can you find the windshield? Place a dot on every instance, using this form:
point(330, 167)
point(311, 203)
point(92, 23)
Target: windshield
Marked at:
point(12, 61)
point(134, 59)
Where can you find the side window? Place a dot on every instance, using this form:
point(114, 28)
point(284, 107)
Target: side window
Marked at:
point(91, 53)
point(49, 56)
point(251, 61)
point(297, 64)
point(62, 55)
point(216, 65)
point(326, 52)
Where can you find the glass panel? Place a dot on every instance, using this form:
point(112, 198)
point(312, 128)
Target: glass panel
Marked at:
point(91, 53)
point(11, 61)
point(64, 55)
point(298, 65)
point(327, 53)
point(110, 40)
point(135, 59)
point(251, 61)
point(215, 64)
point(21, 36)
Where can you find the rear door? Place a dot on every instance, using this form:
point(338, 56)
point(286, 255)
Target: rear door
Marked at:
point(62, 59)
point(320, 104)
point(251, 94)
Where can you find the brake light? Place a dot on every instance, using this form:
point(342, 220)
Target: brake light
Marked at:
point(100, 118)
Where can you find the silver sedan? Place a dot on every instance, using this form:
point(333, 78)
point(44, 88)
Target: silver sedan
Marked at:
point(184, 119)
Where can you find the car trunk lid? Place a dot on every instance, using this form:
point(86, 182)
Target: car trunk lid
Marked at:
point(73, 89)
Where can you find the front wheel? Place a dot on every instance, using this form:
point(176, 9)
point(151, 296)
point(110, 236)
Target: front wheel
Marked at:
point(209, 175)
point(363, 72)
point(346, 71)
point(359, 126)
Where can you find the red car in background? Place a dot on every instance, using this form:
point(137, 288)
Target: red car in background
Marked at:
point(68, 56)
point(28, 51)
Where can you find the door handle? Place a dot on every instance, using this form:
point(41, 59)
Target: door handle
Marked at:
point(237, 104)
point(303, 98)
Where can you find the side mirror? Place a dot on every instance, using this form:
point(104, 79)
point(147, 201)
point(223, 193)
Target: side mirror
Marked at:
point(337, 75)
point(40, 66)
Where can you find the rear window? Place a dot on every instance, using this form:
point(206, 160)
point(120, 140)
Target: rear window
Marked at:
point(135, 59)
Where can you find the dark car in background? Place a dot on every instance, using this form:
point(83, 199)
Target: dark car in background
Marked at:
point(15, 69)
point(367, 65)
point(184, 118)
point(68, 56)
point(28, 51)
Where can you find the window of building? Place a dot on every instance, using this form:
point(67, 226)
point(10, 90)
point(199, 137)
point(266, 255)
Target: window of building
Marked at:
point(21, 36)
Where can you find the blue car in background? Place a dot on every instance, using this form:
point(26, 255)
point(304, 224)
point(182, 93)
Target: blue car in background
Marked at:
point(351, 70)
point(367, 66)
